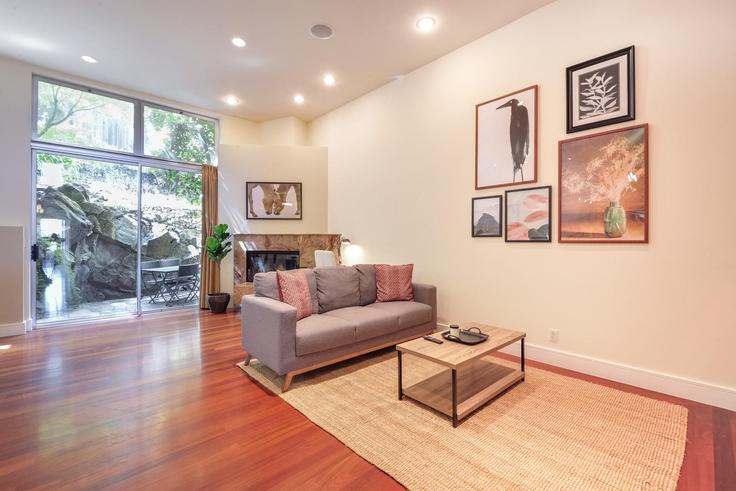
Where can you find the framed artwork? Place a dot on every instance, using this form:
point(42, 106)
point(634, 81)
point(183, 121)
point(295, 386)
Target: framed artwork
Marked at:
point(603, 193)
point(487, 213)
point(506, 140)
point(273, 200)
point(601, 91)
point(529, 214)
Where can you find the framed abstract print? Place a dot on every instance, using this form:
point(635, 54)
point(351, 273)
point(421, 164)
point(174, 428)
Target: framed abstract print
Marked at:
point(487, 213)
point(529, 214)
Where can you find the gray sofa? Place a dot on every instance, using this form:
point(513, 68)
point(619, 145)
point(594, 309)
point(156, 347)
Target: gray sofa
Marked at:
point(346, 321)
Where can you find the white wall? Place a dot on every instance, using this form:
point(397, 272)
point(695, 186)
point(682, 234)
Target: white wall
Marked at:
point(241, 163)
point(283, 131)
point(401, 168)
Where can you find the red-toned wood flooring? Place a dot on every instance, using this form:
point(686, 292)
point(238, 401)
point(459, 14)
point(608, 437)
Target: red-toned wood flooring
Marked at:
point(156, 403)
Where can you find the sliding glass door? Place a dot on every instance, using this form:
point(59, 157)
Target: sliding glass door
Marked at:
point(171, 232)
point(90, 215)
point(87, 238)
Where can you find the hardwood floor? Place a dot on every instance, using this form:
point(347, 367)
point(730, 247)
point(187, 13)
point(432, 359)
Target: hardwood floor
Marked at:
point(156, 403)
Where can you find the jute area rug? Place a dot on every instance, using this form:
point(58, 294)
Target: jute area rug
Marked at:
point(548, 432)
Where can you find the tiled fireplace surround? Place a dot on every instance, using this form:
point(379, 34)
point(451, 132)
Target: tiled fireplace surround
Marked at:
point(306, 244)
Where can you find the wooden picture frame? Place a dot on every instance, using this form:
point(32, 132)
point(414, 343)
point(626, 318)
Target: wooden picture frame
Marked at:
point(497, 159)
point(582, 215)
point(490, 223)
point(528, 212)
point(273, 200)
point(601, 91)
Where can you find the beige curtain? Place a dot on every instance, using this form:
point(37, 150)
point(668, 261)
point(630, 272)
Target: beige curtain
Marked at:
point(210, 271)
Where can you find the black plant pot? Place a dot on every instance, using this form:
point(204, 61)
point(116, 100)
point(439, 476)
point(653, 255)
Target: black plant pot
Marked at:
point(218, 302)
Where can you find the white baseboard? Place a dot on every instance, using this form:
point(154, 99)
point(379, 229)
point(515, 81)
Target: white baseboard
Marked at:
point(685, 388)
point(15, 328)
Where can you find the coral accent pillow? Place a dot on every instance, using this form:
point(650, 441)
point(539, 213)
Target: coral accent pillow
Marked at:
point(294, 290)
point(394, 282)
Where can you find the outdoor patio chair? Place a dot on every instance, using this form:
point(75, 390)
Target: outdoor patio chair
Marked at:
point(185, 286)
point(170, 262)
point(151, 284)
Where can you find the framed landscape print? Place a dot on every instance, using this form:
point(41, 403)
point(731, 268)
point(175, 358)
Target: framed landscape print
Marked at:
point(601, 91)
point(506, 140)
point(604, 180)
point(529, 215)
point(487, 212)
point(273, 200)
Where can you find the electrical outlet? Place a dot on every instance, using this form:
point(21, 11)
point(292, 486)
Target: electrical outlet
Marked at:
point(554, 335)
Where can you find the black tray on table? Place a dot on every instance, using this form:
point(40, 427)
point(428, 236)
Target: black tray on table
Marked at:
point(467, 336)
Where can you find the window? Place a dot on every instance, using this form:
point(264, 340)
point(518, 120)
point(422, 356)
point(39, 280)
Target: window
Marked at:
point(81, 118)
point(177, 136)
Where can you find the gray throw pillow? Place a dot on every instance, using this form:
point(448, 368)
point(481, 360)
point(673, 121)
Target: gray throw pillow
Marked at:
point(367, 280)
point(337, 287)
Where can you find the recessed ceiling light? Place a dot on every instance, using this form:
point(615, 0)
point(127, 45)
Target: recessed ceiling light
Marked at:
point(328, 79)
point(426, 23)
point(88, 59)
point(232, 100)
point(299, 99)
point(321, 31)
point(239, 42)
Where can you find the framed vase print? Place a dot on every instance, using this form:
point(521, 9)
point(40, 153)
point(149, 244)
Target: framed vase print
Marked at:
point(601, 91)
point(529, 215)
point(506, 140)
point(603, 187)
point(486, 214)
point(273, 201)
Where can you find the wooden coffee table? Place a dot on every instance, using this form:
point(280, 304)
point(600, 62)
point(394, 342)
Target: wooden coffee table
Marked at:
point(475, 377)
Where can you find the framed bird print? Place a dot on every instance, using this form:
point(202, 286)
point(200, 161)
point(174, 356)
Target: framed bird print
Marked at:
point(601, 91)
point(506, 140)
point(603, 194)
point(529, 214)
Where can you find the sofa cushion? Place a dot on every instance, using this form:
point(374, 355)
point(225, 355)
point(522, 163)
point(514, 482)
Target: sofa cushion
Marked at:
point(337, 287)
point(294, 290)
point(266, 285)
point(394, 282)
point(321, 332)
point(410, 313)
point(369, 323)
point(367, 283)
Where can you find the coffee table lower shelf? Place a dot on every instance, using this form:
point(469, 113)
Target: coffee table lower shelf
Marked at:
point(474, 385)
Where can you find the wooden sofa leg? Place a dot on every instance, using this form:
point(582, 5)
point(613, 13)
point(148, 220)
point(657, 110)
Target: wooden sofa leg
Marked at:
point(287, 382)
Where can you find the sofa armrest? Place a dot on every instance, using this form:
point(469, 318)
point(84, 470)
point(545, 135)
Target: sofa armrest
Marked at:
point(426, 294)
point(269, 331)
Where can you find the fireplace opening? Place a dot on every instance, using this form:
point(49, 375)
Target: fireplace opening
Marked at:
point(265, 261)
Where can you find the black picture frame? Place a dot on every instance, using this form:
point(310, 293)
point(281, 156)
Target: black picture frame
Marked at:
point(548, 207)
point(250, 210)
point(500, 216)
point(617, 116)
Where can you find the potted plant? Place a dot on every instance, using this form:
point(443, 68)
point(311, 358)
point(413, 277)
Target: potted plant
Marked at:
point(217, 247)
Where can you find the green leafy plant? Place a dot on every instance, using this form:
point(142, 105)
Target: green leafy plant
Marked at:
point(218, 244)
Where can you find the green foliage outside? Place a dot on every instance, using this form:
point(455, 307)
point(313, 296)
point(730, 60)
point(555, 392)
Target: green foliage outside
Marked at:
point(218, 244)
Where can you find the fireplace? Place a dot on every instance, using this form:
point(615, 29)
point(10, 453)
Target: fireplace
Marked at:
point(265, 261)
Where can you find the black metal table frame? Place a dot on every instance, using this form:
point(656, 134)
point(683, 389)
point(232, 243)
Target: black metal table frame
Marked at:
point(455, 421)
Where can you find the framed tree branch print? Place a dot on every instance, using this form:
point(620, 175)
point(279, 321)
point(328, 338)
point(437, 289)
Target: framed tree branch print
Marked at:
point(601, 91)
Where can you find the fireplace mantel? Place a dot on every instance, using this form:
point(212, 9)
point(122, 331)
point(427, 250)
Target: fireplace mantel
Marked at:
point(306, 244)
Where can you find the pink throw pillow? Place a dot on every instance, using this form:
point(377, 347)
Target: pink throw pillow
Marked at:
point(394, 282)
point(294, 290)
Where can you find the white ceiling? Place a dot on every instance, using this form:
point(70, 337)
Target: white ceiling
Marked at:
point(181, 50)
